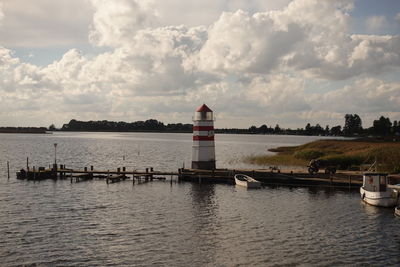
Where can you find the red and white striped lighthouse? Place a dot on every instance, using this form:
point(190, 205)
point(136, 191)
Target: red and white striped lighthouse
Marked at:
point(203, 152)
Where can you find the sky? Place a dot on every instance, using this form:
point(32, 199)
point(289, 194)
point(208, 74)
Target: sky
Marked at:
point(253, 62)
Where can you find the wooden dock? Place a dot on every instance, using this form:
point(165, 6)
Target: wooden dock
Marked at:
point(276, 177)
point(266, 176)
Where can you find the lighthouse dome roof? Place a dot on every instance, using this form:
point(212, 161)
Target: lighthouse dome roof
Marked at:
point(203, 108)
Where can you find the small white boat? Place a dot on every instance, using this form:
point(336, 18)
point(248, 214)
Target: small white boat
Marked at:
point(375, 190)
point(247, 181)
point(397, 211)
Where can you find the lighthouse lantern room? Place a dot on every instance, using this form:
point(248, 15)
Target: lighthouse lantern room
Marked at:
point(203, 152)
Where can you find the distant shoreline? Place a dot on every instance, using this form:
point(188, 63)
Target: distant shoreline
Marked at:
point(28, 130)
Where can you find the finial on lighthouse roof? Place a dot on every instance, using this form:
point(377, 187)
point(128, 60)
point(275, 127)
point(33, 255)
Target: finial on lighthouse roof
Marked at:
point(203, 108)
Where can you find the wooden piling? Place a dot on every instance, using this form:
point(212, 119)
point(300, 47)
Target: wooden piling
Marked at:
point(8, 170)
point(27, 163)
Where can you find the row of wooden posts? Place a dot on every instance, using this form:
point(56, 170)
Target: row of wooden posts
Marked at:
point(221, 175)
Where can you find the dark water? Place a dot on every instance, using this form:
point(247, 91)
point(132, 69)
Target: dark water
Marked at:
point(93, 224)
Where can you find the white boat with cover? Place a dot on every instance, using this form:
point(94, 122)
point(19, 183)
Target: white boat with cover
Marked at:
point(247, 181)
point(375, 190)
point(397, 211)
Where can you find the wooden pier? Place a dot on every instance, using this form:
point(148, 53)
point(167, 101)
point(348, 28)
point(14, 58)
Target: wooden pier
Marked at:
point(276, 177)
point(266, 176)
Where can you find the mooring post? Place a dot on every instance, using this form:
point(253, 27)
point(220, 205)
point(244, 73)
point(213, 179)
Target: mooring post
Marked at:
point(108, 175)
point(151, 169)
point(85, 169)
point(118, 170)
point(123, 169)
point(27, 163)
point(8, 170)
point(91, 167)
point(147, 170)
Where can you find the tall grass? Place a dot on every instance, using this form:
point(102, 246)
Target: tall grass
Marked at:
point(387, 158)
point(343, 154)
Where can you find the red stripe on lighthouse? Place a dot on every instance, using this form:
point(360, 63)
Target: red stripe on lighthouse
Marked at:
point(203, 138)
point(203, 128)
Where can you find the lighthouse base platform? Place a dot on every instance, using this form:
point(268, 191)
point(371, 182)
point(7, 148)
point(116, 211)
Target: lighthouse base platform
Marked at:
point(203, 165)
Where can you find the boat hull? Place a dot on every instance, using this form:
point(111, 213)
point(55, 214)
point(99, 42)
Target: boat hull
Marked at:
point(397, 211)
point(249, 182)
point(388, 198)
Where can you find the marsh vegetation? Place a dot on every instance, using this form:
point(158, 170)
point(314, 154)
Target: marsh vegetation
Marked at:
point(344, 154)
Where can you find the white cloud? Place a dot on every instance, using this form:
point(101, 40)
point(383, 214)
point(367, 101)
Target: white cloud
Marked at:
point(397, 17)
point(279, 93)
point(44, 23)
point(115, 22)
point(240, 42)
point(368, 97)
point(206, 12)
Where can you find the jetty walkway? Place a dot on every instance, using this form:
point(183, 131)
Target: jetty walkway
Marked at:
point(265, 176)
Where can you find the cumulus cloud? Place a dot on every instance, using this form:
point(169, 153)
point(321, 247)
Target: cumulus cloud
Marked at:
point(364, 95)
point(306, 36)
point(261, 44)
point(278, 93)
point(206, 12)
point(115, 22)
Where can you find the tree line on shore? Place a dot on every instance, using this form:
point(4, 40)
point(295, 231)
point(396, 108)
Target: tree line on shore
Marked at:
point(111, 126)
point(352, 127)
point(23, 129)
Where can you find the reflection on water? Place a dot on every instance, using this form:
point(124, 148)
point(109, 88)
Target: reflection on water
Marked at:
point(204, 225)
point(180, 224)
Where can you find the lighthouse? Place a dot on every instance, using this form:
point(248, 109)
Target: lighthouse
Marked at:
point(203, 152)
